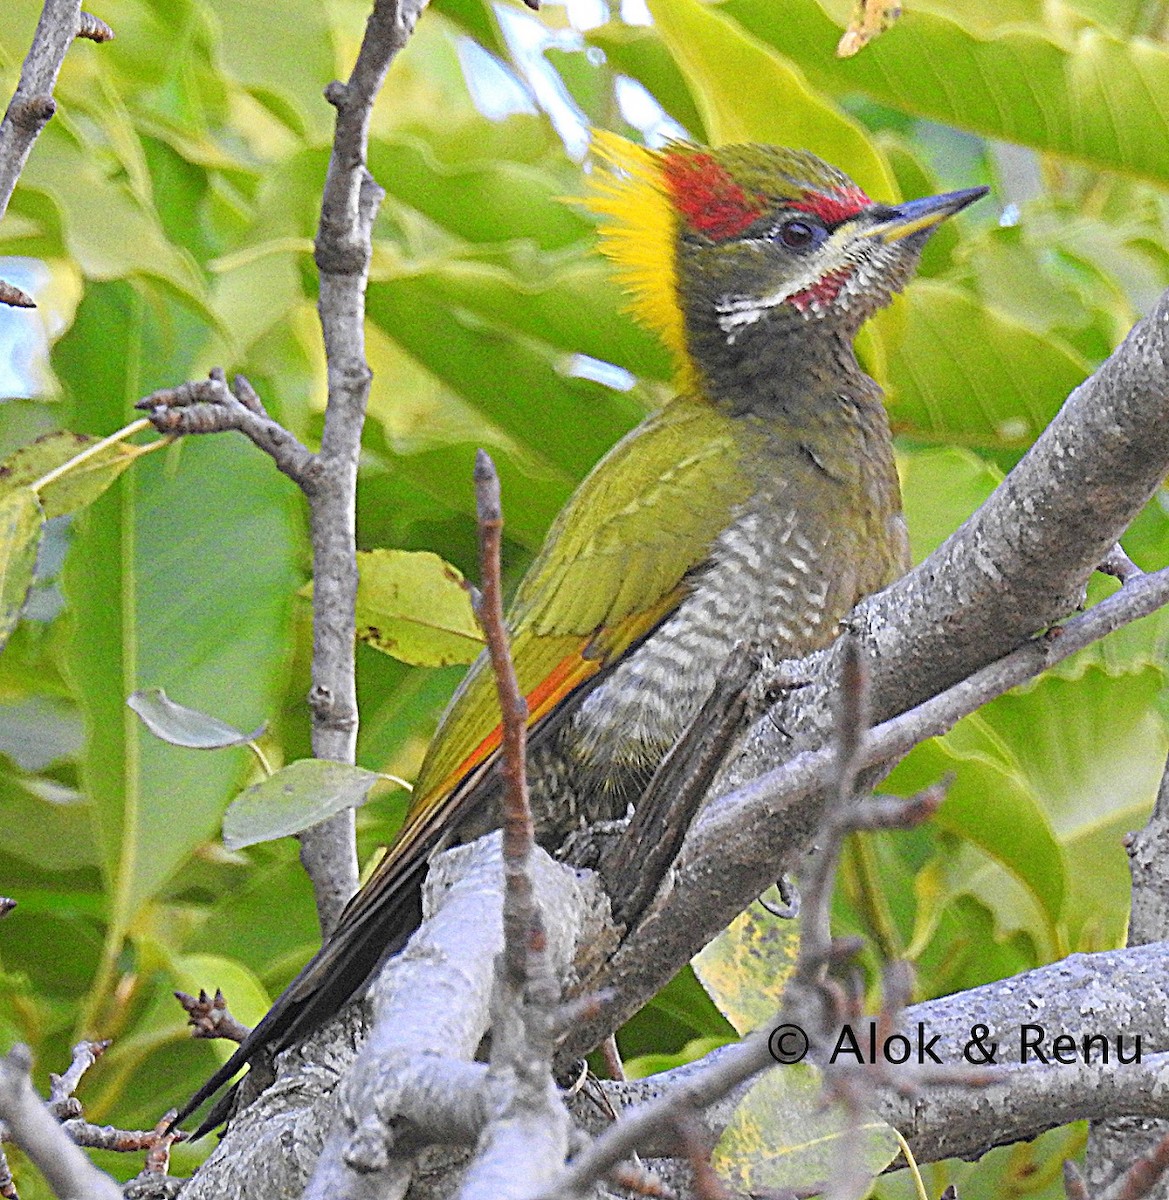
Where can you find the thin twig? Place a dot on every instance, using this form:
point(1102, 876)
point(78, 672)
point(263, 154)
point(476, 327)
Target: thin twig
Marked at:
point(1140, 1179)
point(32, 104)
point(61, 1087)
point(15, 297)
point(209, 1016)
point(342, 251)
point(526, 1140)
point(210, 406)
point(523, 933)
point(611, 1053)
point(1074, 1186)
point(93, 29)
point(697, 1148)
point(121, 1141)
point(34, 1129)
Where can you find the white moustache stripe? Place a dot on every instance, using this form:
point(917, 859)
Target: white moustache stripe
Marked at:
point(735, 312)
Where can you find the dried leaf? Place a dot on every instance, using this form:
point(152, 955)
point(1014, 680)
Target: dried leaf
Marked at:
point(870, 18)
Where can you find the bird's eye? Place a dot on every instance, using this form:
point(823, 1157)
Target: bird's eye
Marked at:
point(797, 235)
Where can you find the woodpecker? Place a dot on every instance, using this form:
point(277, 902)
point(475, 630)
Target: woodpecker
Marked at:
point(758, 506)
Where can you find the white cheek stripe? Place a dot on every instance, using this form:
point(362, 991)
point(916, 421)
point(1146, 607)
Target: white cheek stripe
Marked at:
point(737, 311)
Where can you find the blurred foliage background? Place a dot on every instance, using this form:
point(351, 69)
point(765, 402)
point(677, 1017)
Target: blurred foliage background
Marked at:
point(164, 224)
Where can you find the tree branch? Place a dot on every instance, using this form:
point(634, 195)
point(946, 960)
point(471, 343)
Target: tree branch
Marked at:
point(344, 245)
point(1113, 992)
point(32, 104)
point(813, 1007)
point(356, 1119)
point(34, 1129)
point(1114, 1144)
point(525, 1140)
point(210, 406)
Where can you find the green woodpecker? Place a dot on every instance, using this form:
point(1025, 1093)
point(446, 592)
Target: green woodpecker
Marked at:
point(758, 506)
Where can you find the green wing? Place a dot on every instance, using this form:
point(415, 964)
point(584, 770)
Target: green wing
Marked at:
point(611, 567)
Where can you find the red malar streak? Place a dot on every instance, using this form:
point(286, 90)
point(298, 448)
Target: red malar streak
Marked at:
point(836, 206)
point(822, 292)
point(707, 196)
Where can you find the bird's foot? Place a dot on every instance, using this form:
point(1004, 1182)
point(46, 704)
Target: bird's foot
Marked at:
point(584, 847)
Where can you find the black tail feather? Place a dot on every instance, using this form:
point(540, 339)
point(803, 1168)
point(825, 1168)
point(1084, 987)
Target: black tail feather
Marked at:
point(340, 970)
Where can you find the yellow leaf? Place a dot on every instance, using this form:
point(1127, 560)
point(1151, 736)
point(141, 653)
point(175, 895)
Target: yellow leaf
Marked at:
point(782, 1135)
point(74, 488)
point(413, 605)
point(745, 968)
point(21, 522)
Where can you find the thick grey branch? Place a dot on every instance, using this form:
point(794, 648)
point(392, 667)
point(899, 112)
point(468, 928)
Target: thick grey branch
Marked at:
point(356, 1121)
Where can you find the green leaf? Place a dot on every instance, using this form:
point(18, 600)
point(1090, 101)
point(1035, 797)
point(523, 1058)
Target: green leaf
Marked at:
point(479, 201)
point(1024, 274)
point(1079, 92)
point(1047, 778)
point(1092, 744)
point(510, 380)
point(46, 824)
point(745, 969)
point(638, 51)
point(180, 576)
point(992, 806)
point(680, 1015)
point(477, 18)
point(297, 796)
point(413, 605)
point(965, 374)
point(940, 489)
point(78, 486)
point(748, 93)
point(21, 524)
point(284, 51)
point(573, 306)
point(782, 1136)
point(182, 726)
point(960, 943)
point(109, 231)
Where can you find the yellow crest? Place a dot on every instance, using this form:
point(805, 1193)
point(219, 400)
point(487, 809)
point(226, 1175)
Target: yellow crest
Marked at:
point(638, 236)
